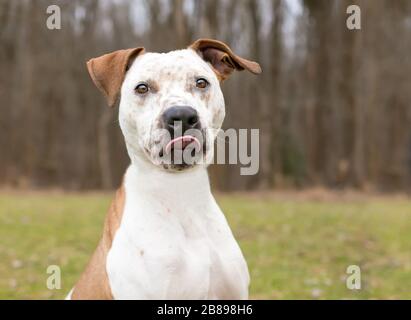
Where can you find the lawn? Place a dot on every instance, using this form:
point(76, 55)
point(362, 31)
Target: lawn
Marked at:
point(297, 246)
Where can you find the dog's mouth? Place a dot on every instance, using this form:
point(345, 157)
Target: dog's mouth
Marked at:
point(182, 143)
point(182, 152)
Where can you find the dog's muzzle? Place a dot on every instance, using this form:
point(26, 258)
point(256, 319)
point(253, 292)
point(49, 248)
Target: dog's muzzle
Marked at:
point(185, 145)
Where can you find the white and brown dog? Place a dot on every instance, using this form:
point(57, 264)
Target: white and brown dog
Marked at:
point(165, 236)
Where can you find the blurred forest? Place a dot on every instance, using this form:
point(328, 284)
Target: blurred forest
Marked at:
point(333, 105)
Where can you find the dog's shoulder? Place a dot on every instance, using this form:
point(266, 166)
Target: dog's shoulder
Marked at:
point(115, 214)
point(93, 283)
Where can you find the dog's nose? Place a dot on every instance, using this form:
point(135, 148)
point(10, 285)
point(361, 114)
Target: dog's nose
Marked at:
point(186, 117)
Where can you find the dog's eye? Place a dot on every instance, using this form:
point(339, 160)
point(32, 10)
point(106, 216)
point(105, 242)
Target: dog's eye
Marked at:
point(202, 83)
point(142, 88)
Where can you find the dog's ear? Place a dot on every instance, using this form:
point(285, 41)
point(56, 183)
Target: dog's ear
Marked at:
point(108, 71)
point(223, 60)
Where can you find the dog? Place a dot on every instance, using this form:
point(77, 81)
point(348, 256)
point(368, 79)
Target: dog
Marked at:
point(164, 236)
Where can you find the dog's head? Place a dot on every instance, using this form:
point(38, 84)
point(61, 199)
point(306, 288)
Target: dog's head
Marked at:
point(171, 103)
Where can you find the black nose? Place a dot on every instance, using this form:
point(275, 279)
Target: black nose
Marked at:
point(181, 118)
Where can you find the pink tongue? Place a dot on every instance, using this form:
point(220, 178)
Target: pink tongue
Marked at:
point(182, 142)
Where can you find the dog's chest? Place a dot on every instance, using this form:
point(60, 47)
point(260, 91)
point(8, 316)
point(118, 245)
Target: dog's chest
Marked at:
point(172, 250)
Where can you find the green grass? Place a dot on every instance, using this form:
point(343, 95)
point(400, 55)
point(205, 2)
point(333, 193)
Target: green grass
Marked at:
point(296, 249)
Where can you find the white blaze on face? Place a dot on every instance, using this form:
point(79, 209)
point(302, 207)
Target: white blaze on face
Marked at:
point(171, 78)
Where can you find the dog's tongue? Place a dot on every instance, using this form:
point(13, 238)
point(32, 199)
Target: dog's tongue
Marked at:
point(182, 142)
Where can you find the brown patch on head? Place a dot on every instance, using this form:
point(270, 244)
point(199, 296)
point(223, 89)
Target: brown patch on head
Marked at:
point(222, 59)
point(153, 85)
point(153, 89)
point(205, 94)
point(190, 86)
point(108, 71)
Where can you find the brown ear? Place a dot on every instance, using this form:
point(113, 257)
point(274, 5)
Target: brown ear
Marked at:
point(223, 60)
point(108, 71)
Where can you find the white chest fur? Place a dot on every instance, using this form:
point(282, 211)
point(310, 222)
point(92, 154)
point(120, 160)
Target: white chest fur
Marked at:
point(174, 242)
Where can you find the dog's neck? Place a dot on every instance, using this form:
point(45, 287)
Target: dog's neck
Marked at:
point(182, 188)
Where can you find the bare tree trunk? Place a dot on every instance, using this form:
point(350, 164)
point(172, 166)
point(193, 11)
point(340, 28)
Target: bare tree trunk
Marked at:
point(276, 91)
point(104, 150)
point(180, 24)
